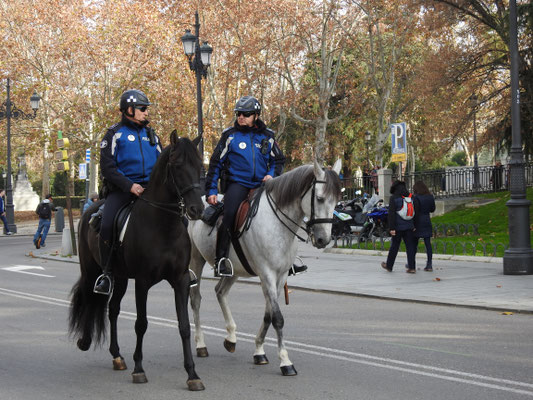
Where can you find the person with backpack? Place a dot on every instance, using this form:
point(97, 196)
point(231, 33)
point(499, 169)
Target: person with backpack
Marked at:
point(3, 213)
point(44, 211)
point(402, 210)
point(423, 227)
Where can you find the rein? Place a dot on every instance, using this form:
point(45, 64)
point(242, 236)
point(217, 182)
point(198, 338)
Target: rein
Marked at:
point(310, 223)
point(173, 208)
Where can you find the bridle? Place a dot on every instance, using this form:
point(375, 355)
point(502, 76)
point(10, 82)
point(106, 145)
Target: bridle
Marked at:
point(174, 208)
point(308, 224)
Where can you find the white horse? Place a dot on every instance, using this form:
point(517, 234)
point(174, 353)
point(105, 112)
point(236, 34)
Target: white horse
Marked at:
point(269, 245)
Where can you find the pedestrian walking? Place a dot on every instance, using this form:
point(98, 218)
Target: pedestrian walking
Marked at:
point(401, 214)
point(3, 213)
point(423, 228)
point(44, 211)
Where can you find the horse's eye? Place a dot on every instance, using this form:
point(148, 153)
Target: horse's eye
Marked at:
point(320, 199)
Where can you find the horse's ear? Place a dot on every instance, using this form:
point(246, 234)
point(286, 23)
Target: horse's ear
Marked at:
point(337, 166)
point(196, 141)
point(319, 172)
point(174, 137)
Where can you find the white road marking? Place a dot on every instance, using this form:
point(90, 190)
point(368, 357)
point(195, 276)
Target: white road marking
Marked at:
point(23, 269)
point(359, 358)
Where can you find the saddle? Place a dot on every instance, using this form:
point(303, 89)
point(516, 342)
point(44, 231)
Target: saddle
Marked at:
point(119, 223)
point(213, 213)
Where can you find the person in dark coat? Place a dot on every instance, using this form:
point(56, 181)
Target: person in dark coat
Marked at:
point(423, 228)
point(400, 228)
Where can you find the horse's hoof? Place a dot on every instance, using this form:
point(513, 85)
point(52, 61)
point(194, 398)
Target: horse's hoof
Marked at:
point(260, 359)
point(139, 377)
point(83, 345)
point(119, 364)
point(202, 352)
point(195, 385)
point(288, 370)
point(229, 346)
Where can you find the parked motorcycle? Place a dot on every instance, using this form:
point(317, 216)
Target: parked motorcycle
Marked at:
point(348, 217)
point(376, 223)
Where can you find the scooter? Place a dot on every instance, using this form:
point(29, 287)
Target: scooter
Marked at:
point(348, 217)
point(376, 223)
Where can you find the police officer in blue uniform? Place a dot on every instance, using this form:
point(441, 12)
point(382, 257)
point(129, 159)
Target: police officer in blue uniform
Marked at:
point(245, 156)
point(128, 153)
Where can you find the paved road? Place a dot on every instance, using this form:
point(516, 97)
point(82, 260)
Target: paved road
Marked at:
point(344, 347)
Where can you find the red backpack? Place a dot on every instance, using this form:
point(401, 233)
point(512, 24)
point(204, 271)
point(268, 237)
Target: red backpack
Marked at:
point(407, 211)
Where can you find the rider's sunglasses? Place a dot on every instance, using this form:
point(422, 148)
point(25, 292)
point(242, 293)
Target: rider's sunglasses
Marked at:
point(244, 114)
point(141, 108)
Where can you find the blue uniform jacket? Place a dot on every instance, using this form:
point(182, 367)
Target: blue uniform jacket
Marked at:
point(126, 154)
point(247, 154)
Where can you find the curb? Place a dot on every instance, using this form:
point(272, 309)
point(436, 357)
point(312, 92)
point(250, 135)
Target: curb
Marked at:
point(422, 256)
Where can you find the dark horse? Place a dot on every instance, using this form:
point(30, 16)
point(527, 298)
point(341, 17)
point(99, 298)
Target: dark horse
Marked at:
point(156, 246)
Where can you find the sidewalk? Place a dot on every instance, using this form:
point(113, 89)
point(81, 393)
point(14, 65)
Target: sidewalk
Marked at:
point(464, 281)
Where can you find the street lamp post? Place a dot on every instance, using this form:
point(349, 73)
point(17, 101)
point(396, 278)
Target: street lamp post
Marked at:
point(199, 61)
point(474, 104)
point(518, 258)
point(9, 111)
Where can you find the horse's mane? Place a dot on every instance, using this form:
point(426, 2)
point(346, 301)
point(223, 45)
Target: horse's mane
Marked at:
point(186, 148)
point(291, 185)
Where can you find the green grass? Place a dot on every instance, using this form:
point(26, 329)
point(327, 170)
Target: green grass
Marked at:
point(493, 228)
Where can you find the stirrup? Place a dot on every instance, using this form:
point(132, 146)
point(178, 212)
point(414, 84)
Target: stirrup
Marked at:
point(194, 280)
point(218, 265)
point(298, 269)
point(99, 280)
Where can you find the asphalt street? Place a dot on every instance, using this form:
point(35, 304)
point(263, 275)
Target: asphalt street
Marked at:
point(343, 346)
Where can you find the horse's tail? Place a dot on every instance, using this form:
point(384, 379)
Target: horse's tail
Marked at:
point(87, 317)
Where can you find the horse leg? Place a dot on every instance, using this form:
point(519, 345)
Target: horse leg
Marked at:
point(271, 292)
point(114, 310)
point(221, 289)
point(141, 324)
point(197, 265)
point(260, 357)
point(181, 297)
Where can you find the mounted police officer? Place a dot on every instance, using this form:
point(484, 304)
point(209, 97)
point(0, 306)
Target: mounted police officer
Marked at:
point(128, 153)
point(245, 156)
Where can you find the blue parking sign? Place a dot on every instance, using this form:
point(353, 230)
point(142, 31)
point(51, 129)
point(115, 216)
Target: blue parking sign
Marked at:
point(88, 155)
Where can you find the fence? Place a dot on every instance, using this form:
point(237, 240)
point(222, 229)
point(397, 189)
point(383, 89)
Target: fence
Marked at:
point(469, 248)
point(450, 181)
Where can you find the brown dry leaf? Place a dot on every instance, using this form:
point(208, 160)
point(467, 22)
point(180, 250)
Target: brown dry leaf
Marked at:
point(437, 279)
point(498, 286)
point(30, 254)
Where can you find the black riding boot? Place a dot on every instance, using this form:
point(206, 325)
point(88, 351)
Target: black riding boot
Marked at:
point(104, 283)
point(223, 265)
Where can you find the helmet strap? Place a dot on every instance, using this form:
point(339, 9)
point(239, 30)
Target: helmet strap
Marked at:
point(126, 112)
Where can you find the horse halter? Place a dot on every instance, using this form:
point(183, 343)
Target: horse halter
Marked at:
point(314, 220)
point(178, 208)
point(309, 224)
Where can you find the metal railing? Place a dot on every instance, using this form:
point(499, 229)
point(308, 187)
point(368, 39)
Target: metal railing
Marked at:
point(448, 182)
point(466, 181)
point(467, 248)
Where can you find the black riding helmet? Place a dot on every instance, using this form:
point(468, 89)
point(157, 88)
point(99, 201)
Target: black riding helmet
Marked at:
point(248, 104)
point(132, 98)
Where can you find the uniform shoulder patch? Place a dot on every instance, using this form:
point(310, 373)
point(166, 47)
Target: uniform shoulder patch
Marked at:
point(103, 144)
